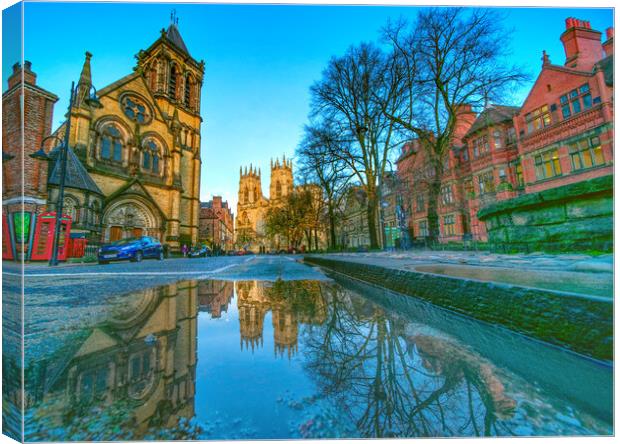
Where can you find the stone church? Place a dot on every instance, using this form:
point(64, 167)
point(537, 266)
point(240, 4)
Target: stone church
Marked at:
point(252, 205)
point(135, 165)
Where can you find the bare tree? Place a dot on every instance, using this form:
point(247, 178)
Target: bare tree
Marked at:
point(352, 96)
point(448, 60)
point(319, 165)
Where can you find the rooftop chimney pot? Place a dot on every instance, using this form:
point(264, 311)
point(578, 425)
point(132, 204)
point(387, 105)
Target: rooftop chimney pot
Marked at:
point(609, 33)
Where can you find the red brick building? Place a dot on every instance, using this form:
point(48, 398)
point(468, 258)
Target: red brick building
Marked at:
point(562, 134)
point(33, 122)
point(216, 224)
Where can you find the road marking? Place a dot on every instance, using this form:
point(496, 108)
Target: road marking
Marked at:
point(129, 273)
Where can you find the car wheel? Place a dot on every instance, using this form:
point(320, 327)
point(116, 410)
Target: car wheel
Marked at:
point(161, 256)
point(138, 257)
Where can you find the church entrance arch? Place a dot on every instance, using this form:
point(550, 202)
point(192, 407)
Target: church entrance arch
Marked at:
point(130, 217)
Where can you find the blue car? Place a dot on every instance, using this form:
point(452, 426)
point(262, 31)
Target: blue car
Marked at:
point(134, 249)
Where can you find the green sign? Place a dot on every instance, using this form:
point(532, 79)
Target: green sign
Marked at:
point(21, 222)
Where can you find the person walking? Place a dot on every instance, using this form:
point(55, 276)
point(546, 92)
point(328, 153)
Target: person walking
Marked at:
point(184, 250)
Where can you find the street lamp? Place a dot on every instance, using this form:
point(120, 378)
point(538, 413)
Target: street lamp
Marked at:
point(94, 102)
point(41, 154)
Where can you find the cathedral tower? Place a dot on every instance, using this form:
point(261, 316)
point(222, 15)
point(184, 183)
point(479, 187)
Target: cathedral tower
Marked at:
point(281, 184)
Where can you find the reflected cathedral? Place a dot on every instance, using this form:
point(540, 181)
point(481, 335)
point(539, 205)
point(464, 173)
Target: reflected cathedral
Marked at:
point(140, 363)
point(291, 303)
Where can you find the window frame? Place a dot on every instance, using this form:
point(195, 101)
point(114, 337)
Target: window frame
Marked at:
point(542, 164)
point(111, 145)
point(449, 225)
point(579, 97)
point(538, 119)
point(577, 151)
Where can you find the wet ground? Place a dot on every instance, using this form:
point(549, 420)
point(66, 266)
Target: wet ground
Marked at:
point(574, 273)
point(592, 284)
point(269, 348)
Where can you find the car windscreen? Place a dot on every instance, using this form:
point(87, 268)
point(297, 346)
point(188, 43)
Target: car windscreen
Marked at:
point(130, 240)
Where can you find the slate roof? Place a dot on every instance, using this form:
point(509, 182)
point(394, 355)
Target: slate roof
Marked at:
point(175, 38)
point(492, 115)
point(76, 175)
point(607, 65)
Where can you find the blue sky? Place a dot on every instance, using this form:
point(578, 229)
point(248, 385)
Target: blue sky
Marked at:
point(260, 62)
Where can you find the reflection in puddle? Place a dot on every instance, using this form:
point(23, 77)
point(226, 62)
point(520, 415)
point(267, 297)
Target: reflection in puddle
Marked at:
point(284, 359)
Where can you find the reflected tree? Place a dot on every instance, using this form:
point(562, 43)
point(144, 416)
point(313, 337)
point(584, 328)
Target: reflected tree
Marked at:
point(393, 382)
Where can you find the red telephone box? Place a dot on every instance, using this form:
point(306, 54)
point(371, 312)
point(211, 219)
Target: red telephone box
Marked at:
point(7, 246)
point(76, 247)
point(44, 237)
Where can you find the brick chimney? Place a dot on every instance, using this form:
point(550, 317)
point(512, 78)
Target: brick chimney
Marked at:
point(582, 44)
point(608, 46)
point(16, 76)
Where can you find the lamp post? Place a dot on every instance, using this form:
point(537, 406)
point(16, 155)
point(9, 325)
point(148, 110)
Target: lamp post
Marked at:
point(61, 185)
point(93, 101)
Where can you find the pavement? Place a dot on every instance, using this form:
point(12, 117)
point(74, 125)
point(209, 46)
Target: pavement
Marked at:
point(575, 273)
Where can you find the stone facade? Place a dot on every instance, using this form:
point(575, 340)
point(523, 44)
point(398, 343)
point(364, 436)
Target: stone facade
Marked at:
point(252, 205)
point(572, 217)
point(562, 134)
point(134, 164)
point(142, 145)
point(216, 224)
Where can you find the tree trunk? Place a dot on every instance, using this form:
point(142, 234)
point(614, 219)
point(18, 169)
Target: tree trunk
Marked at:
point(332, 226)
point(432, 214)
point(371, 212)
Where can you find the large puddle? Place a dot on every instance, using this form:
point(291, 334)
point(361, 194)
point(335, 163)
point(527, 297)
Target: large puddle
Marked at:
point(298, 359)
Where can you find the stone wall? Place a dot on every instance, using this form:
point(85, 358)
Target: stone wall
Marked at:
point(579, 323)
point(575, 217)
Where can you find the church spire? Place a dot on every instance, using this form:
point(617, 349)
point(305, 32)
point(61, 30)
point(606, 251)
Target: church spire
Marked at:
point(85, 82)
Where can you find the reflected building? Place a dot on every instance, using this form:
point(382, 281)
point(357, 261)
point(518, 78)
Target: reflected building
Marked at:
point(290, 302)
point(215, 296)
point(142, 357)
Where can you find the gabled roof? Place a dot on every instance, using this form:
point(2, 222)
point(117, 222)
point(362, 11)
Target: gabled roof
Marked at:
point(76, 175)
point(492, 115)
point(175, 38)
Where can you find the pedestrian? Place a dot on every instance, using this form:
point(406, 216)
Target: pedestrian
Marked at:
point(184, 250)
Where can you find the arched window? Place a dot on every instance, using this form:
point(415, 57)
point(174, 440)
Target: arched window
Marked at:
point(172, 82)
point(189, 84)
point(246, 195)
point(70, 208)
point(153, 75)
point(150, 156)
point(160, 76)
point(95, 213)
point(111, 144)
